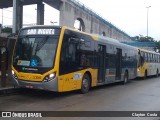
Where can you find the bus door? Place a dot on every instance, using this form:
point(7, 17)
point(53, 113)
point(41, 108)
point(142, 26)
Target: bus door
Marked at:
point(118, 64)
point(101, 63)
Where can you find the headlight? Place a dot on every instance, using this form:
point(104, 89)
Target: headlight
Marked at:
point(50, 77)
point(138, 69)
point(14, 74)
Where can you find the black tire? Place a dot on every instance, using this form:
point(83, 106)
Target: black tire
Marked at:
point(157, 73)
point(85, 86)
point(125, 78)
point(145, 75)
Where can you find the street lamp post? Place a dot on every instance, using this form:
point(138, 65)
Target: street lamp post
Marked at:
point(2, 17)
point(147, 18)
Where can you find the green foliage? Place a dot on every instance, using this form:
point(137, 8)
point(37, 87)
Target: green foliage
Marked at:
point(7, 30)
point(158, 46)
point(141, 38)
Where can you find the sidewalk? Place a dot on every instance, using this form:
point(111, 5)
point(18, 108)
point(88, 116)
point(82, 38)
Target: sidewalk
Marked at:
point(9, 88)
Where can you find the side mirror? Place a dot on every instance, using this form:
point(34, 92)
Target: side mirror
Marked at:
point(82, 41)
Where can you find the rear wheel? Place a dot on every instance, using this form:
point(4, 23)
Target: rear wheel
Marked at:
point(125, 79)
point(85, 86)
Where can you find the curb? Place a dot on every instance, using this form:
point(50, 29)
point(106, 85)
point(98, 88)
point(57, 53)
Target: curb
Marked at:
point(8, 90)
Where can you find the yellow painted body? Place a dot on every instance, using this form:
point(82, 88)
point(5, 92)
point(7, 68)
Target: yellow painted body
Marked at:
point(141, 70)
point(68, 82)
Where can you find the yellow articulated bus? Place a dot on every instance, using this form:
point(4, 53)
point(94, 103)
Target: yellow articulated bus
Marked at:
point(62, 59)
point(148, 63)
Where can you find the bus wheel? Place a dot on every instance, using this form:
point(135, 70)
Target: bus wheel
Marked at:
point(125, 79)
point(157, 73)
point(145, 75)
point(85, 84)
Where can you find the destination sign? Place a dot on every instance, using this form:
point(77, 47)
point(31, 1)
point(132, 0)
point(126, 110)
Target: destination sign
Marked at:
point(40, 31)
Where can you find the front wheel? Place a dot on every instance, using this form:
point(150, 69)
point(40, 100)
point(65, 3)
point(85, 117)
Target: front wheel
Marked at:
point(145, 75)
point(85, 86)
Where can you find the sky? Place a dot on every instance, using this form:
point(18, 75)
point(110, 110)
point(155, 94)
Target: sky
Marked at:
point(128, 15)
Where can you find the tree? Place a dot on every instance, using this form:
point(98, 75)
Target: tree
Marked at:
point(158, 46)
point(141, 38)
point(7, 30)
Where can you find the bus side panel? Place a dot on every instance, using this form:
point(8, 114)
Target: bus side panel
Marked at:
point(57, 60)
point(142, 69)
point(152, 69)
point(73, 81)
point(94, 74)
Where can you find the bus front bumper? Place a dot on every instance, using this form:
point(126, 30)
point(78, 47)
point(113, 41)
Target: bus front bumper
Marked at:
point(51, 85)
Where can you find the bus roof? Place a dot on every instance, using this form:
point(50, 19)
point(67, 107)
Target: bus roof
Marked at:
point(148, 51)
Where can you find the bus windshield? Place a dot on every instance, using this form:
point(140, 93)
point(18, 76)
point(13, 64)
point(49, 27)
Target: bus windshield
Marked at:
point(35, 52)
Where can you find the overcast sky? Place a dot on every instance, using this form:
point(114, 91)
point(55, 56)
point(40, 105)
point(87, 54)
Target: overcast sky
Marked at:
point(128, 15)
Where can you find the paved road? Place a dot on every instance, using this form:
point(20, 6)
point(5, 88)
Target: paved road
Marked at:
point(137, 95)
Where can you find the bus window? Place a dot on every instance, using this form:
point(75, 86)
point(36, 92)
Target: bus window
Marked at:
point(153, 58)
point(69, 54)
point(150, 56)
point(143, 55)
point(156, 58)
point(139, 59)
point(76, 52)
point(146, 57)
point(142, 60)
